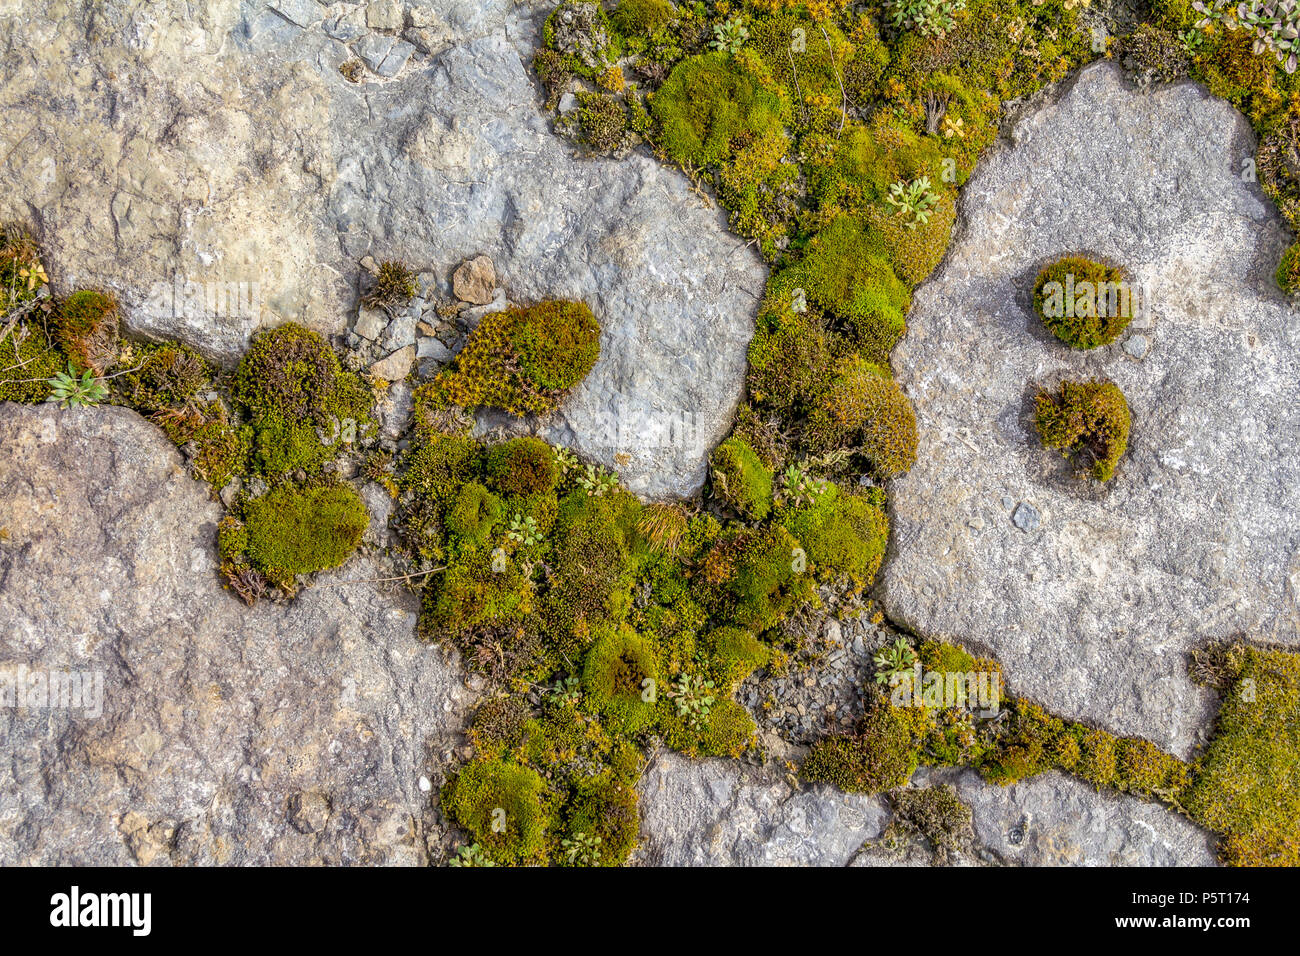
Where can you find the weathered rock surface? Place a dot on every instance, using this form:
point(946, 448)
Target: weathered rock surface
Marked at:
point(1057, 820)
point(167, 149)
point(722, 813)
point(1090, 596)
point(279, 734)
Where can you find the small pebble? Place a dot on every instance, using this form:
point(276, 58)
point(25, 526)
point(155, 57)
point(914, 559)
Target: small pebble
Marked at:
point(1025, 517)
point(1137, 346)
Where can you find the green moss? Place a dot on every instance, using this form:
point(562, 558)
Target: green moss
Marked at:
point(1157, 53)
point(843, 534)
point(596, 556)
point(86, 325)
point(741, 480)
point(620, 678)
point(553, 71)
point(505, 807)
point(734, 654)
point(726, 731)
point(942, 656)
point(1143, 768)
point(642, 18)
point(600, 122)
point(1025, 747)
point(303, 407)
point(1288, 270)
point(478, 590)
point(167, 375)
point(790, 358)
point(498, 726)
point(868, 160)
point(810, 71)
point(28, 357)
point(880, 755)
point(294, 531)
point(935, 813)
point(845, 279)
point(521, 466)
point(394, 284)
point(290, 374)
point(522, 360)
point(865, 409)
point(1082, 302)
point(607, 812)
point(1098, 762)
point(281, 446)
point(712, 101)
point(439, 465)
point(1230, 67)
point(580, 30)
point(756, 576)
point(475, 513)
point(663, 526)
point(232, 538)
point(1087, 420)
point(1246, 785)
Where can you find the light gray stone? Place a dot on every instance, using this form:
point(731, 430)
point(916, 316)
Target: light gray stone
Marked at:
point(370, 323)
point(722, 813)
point(1025, 517)
point(401, 330)
point(385, 14)
point(1196, 537)
point(1137, 345)
point(432, 348)
point(396, 366)
point(278, 734)
point(304, 13)
point(384, 55)
point(1056, 820)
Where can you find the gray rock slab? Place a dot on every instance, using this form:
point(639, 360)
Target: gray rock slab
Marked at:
point(290, 734)
point(146, 167)
point(1198, 536)
point(722, 813)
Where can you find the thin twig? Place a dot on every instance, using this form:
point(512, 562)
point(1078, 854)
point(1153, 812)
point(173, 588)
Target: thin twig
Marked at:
point(794, 70)
point(844, 95)
point(400, 577)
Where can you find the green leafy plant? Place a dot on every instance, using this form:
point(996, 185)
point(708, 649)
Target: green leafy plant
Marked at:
point(1275, 24)
point(523, 530)
point(913, 201)
point(927, 17)
point(1191, 41)
point(893, 661)
point(470, 855)
point(798, 487)
point(581, 850)
point(729, 36)
point(567, 691)
point(69, 390)
point(565, 460)
point(694, 698)
point(596, 481)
